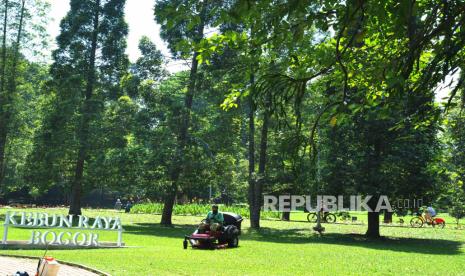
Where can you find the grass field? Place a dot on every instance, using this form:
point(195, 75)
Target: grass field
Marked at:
point(280, 248)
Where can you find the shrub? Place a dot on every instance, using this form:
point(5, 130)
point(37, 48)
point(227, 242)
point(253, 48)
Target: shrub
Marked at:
point(197, 210)
point(457, 211)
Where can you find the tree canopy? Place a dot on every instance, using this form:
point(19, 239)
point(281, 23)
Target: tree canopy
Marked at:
point(281, 97)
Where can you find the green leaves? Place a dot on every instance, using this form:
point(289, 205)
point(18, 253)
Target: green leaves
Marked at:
point(232, 98)
point(193, 22)
point(333, 121)
point(217, 43)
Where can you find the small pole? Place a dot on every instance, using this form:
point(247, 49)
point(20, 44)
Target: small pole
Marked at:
point(320, 229)
point(318, 220)
point(5, 229)
point(120, 237)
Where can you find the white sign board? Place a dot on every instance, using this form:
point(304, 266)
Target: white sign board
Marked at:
point(42, 223)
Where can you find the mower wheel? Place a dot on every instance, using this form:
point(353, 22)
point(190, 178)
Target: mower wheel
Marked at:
point(234, 242)
point(184, 244)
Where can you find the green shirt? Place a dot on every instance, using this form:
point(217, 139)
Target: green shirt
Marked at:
point(212, 218)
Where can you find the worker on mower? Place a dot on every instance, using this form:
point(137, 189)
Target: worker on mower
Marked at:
point(214, 220)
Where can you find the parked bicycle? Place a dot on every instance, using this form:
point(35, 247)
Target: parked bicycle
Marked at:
point(325, 217)
point(420, 220)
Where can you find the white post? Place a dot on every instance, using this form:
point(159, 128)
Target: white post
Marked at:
point(120, 237)
point(5, 228)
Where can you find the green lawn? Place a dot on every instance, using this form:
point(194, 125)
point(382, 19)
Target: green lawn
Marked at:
point(280, 248)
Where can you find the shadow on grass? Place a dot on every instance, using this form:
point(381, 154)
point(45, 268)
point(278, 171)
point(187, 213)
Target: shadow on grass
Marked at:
point(400, 244)
point(306, 236)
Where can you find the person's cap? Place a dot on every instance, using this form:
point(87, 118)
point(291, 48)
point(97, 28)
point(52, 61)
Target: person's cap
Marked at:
point(215, 206)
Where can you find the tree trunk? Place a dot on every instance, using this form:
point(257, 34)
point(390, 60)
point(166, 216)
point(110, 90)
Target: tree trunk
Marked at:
point(258, 189)
point(373, 217)
point(168, 206)
point(76, 192)
point(286, 216)
point(251, 157)
point(387, 217)
point(3, 137)
point(4, 100)
point(83, 130)
point(373, 220)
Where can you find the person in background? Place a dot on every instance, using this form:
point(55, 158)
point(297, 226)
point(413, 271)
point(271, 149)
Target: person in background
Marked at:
point(214, 220)
point(430, 213)
point(118, 204)
point(128, 206)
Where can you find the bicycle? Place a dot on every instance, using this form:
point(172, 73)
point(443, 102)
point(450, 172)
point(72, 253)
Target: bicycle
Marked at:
point(420, 220)
point(326, 217)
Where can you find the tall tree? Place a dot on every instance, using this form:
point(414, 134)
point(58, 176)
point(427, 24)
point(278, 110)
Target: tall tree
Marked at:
point(150, 65)
point(183, 25)
point(16, 36)
point(88, 65)
point(4, 113)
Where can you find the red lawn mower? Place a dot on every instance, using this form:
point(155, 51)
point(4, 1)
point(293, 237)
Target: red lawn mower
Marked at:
point(228, 236)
